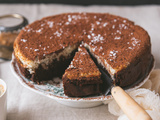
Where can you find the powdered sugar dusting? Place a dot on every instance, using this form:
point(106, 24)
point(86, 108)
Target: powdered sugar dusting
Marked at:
point(100, 48)
point(43, 24)
point(97, 38)
point(23, 40)
point(130, 48)
point(115, 20)
point(123, 26)
point(118, 31)
point(74, 18)
point(97, 22)
point(39, 30)
point(134, 43)
point(124, 21)
point(58, 33)
point(105, 24)
point(67, 23)
point(51, 37)
point(117, 37)
point(112, 55)
point(50, 24)
point(89, 36)
point(71, 66)
point(36, 50)
point(113, 26)
point(69, 18)
point(28, 29)
point(83, 53)
point(94, 48)
point(62, 46)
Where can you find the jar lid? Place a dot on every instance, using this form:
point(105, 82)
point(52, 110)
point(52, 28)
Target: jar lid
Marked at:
point(16, 27)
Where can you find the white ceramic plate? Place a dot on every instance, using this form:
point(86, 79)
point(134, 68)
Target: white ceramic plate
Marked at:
point(54, 89)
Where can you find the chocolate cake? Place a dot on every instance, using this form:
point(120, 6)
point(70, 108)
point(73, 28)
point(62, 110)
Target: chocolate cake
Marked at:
point(45, 48)
point(82, 77)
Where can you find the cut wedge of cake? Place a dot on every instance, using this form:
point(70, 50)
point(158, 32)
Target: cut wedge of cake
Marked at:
point(82, 77)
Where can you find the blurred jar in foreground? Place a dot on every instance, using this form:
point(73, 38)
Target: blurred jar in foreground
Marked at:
point(10, 26)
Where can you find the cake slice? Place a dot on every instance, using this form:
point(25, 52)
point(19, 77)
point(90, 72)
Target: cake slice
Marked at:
point(82, 77)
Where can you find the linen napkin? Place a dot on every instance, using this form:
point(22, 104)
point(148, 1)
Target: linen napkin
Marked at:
point(147, 96)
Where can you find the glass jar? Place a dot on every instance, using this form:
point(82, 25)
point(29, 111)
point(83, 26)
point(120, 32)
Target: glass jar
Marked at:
point(10, 26)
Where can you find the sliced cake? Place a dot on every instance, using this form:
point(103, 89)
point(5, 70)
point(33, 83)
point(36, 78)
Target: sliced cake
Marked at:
point(45, 48)
point(82, 77)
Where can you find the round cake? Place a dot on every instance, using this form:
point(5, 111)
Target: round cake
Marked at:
point(45, 48)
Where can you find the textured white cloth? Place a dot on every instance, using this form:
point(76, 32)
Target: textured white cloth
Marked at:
point(24, 104)
point(149, 100)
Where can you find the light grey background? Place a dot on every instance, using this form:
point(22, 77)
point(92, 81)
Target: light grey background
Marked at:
point(24, 104)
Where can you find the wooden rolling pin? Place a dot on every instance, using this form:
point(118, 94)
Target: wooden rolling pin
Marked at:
point(130, 107)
